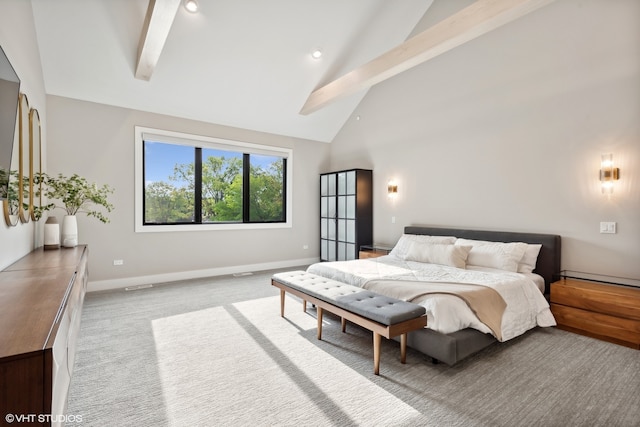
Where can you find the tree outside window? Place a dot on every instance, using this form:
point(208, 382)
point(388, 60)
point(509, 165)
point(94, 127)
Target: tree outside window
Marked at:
point(186, 184)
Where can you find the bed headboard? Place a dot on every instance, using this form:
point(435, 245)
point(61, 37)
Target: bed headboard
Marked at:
point(548, 264)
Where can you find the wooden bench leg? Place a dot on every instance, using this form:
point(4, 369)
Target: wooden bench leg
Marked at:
point(304, 305)
point(343, 321)
point(377, 338)
point(403, 348)
point(320, 313)
point(282, 302)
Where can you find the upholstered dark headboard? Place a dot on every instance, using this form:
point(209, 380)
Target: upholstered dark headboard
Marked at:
point(548, 265)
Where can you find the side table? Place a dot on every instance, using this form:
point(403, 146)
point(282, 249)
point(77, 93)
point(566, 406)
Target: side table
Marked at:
point(373, 251)
point(606, 311)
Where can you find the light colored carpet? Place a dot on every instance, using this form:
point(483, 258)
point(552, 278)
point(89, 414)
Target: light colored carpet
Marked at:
point(216, 352)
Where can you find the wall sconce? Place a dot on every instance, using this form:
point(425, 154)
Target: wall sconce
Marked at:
point(392, 189)
point(608, 173)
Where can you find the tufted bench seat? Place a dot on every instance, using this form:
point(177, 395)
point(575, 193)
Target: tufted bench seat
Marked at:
point(384, 316)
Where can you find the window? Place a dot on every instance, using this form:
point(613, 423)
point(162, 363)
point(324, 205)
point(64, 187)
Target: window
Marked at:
point(187, 182)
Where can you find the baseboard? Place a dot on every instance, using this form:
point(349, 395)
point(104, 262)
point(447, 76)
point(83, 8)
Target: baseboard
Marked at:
point(107, 285)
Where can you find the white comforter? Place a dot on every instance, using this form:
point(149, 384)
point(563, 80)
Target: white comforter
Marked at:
point(526, 306)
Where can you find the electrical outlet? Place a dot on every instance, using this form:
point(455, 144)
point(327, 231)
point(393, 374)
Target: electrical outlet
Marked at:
point(608, 227)
point(118, 262)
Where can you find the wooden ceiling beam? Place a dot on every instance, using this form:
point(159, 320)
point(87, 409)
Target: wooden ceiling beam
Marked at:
point(469, 23)
point(157, 23)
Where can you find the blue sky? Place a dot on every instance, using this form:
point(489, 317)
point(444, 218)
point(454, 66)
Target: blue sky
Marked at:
point(160, 159)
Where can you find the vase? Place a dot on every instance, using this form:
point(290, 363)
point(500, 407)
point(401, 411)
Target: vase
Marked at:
point(69, 231)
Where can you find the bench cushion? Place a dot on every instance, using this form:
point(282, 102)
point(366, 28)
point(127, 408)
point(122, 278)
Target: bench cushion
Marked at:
point(379, 308)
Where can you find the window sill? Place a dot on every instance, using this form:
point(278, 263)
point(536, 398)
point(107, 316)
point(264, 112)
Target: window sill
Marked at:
point(209, 227)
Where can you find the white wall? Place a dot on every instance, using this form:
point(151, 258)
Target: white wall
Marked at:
point(97, 141)
point(506, 133)
point(18, 40)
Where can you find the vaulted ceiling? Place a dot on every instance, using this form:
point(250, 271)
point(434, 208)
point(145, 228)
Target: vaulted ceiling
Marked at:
point(241, 63)
point(247, 63)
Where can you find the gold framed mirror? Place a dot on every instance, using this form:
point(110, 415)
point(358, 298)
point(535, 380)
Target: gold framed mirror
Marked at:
point(12, 204)
point(35, 164)
point(24, 170)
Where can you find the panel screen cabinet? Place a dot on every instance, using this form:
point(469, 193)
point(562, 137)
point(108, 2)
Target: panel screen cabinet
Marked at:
point(346, 213)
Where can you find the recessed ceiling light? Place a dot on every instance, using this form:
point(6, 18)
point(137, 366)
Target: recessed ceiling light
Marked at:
point(191, 5)
point(316, 54)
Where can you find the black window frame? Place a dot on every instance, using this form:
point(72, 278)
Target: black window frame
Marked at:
point(283, 154)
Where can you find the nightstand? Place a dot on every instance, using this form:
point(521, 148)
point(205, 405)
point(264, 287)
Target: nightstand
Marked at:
point(603, 310)
point(373, 251)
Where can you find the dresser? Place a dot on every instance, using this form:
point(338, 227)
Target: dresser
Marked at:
point(41, 297)
point(346, 213)
point(600, 310)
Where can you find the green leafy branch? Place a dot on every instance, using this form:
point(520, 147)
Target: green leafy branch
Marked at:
point(75, 195)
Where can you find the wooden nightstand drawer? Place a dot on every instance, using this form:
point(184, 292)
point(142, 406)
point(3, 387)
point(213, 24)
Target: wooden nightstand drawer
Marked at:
point(600, 310)
point(615, 300)
point(597, 325)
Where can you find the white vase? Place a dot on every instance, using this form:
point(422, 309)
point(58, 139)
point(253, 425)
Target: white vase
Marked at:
point(69, 231)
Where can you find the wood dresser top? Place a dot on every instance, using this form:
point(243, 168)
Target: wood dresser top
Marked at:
point(37, 282)
point(56, 258)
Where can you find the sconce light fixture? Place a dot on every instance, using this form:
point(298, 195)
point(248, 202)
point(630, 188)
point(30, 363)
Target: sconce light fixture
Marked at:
point(392, 189)
point(608, 173)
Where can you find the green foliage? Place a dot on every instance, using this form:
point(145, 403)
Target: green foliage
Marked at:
point(13, 193)
point(222, 189)
point(75, 195)
point(4, 181)
point(166, 203)
point(222, 186)
point(266, 194)
point(229, 207)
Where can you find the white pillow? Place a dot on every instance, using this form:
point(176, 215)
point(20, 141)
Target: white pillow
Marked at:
point(401, 248)
point(437, 253)
point(528, 262)
point(503, 256)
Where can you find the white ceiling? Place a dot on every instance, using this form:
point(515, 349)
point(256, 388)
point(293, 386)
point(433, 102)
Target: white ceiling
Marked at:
point(241, 63)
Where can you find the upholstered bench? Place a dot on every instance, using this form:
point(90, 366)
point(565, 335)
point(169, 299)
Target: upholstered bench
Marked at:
point(384, 316)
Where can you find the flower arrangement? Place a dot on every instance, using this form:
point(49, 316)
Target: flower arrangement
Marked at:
point(75, 195)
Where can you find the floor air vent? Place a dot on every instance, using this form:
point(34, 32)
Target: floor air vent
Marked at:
point(137, 287)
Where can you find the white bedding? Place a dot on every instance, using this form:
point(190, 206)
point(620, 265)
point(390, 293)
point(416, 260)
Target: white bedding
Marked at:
point(526, 305)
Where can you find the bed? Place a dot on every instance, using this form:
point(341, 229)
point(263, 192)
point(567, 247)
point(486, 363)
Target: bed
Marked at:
point(456, 274)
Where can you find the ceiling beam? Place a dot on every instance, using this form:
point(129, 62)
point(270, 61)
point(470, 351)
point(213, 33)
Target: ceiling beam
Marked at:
point(469, 23)
point(157, 23)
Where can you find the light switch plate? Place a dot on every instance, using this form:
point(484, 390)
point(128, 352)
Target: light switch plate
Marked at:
point(608, 227)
